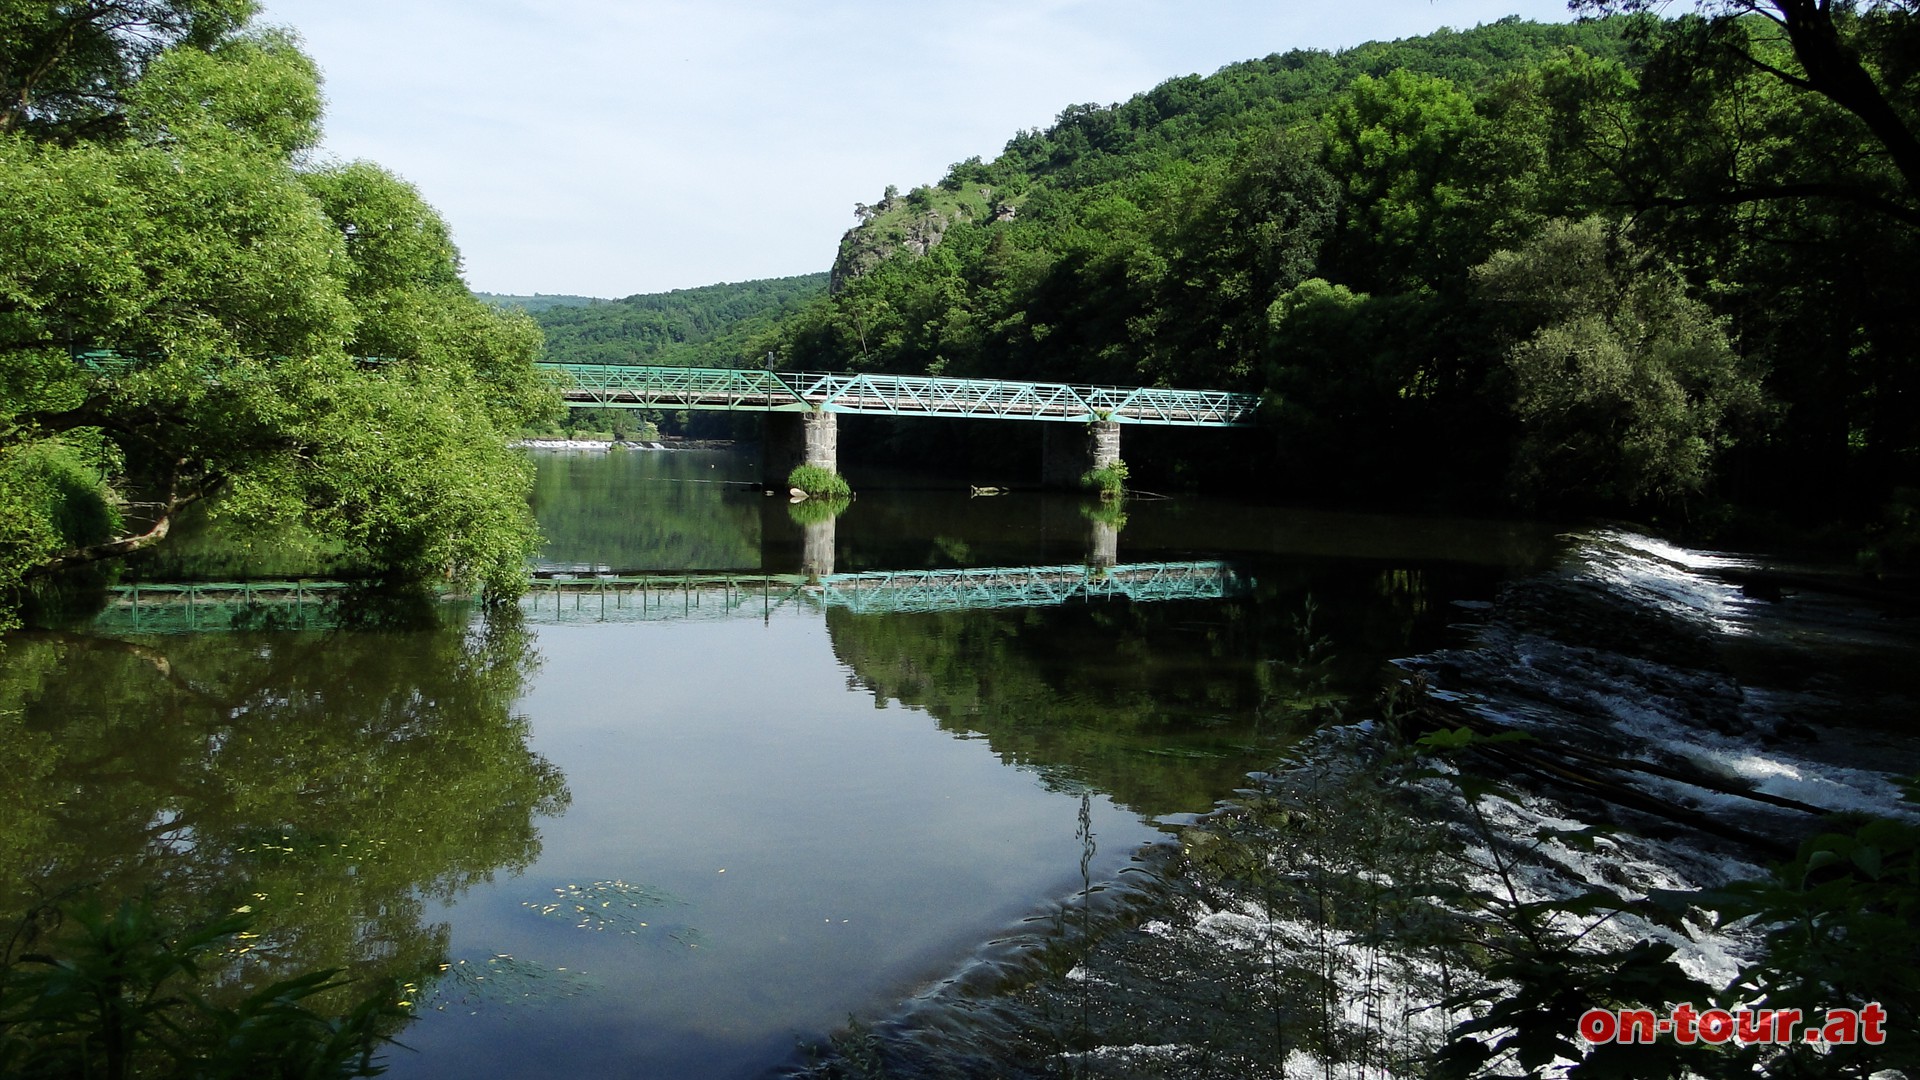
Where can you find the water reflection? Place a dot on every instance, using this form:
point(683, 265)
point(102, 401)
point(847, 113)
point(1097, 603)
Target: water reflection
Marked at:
point(651, 511)
point(812, 768)
point(334, 783)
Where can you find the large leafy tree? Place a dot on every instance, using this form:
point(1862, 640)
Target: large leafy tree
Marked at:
point(1769, 149)
point(301, 343)
point(1625, 386)
point(1405, 148)
point(1858, 57)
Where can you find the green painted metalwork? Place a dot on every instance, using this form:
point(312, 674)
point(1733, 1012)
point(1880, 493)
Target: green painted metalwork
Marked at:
point(102, 361)
point(568, 598)
point(1028, 586)
point(616, 386)
point(659, 597)
point(631, 387)
point(201, 607)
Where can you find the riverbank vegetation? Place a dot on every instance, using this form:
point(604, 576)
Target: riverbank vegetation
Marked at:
point(285, 338)
point(709, 326)
point(1627, 265)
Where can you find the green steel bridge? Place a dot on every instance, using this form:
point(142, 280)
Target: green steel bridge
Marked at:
point(656, 597)
point(628, 387)
point(621, 386)
point(560, 598)
point(802, 408)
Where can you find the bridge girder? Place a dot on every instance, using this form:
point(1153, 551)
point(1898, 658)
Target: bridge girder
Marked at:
point(755, 390)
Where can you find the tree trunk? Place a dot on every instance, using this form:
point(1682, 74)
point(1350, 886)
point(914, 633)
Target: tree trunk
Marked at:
point(1834, 72)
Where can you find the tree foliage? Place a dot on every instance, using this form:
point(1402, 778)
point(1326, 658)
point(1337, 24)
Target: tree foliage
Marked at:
point(333, 784)
point(1308, 227)
point(705, 327)
point(301, 344)
point(1625, 385)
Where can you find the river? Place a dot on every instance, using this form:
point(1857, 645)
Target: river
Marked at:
point(737, 771)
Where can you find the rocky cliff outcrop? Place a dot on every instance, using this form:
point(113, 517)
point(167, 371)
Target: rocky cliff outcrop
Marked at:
point(914, 223)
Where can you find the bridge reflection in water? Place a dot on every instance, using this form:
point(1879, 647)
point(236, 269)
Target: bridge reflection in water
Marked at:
point(661, 597)
point(583, 598)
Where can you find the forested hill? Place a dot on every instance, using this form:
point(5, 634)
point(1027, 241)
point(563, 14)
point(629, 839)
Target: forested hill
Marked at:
point(1192, 118)
point(535, 303)
point(1615, 265)
point(710, 326)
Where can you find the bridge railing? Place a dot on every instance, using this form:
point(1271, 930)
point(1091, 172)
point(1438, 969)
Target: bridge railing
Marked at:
point(623, 386)
point(601, 597)
point(754, 389)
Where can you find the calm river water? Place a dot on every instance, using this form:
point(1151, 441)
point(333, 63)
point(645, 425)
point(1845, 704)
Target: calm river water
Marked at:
point(730, 776)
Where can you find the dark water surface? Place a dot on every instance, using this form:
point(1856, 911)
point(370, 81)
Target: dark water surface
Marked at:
point(677, 825)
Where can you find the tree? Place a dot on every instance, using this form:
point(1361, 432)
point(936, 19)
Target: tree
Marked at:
point(297, 341)
point(67, 71)
point(1625, 386)
point(1766, 150)
point(1400, 146)
point(1858, 57)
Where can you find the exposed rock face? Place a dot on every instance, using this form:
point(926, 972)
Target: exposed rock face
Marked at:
point(893, 225)
point(872, 242)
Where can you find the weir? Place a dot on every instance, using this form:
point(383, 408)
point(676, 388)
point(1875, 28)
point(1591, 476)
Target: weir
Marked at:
point(1083, 430)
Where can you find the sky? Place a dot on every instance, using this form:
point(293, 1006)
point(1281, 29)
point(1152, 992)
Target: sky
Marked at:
point(613, 147)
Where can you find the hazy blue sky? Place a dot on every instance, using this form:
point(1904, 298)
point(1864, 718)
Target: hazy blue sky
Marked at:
point(610, 147)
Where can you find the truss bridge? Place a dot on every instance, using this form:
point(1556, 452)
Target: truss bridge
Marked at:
point(586, 598)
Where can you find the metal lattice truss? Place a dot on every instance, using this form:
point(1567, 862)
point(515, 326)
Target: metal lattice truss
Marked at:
point(652, 597)
point(1026, 586)
point(567, 598)
point(197, 608)
point(624, 387)
point(619, 386)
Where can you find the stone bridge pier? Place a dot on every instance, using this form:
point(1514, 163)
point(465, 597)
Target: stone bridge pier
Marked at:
point(1070, 451)
point(816, 548)
point(1067, 451)
point(790, 439)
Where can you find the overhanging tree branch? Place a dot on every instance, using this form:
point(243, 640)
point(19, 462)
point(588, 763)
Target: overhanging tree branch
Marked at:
point(1766, 192)
point(1831, 68)
point(127, 545)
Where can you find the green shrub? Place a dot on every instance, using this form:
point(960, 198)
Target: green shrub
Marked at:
point(818, 482)
point(1109, 480)
point(814, 511)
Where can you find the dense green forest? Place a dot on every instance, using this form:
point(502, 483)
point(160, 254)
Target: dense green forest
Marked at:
point(710, 326)
point(159, 198)
point(536, 302)
point(1630, 264)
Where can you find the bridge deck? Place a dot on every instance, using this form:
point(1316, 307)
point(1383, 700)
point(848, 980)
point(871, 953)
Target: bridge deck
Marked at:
point(624, 387)
point(657, 596)
point(618, 386)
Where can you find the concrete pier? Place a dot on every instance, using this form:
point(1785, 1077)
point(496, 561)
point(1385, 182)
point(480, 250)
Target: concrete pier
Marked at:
point(790, 439)
point(816, 548)
point(1069, 451)
point(1103, 547)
